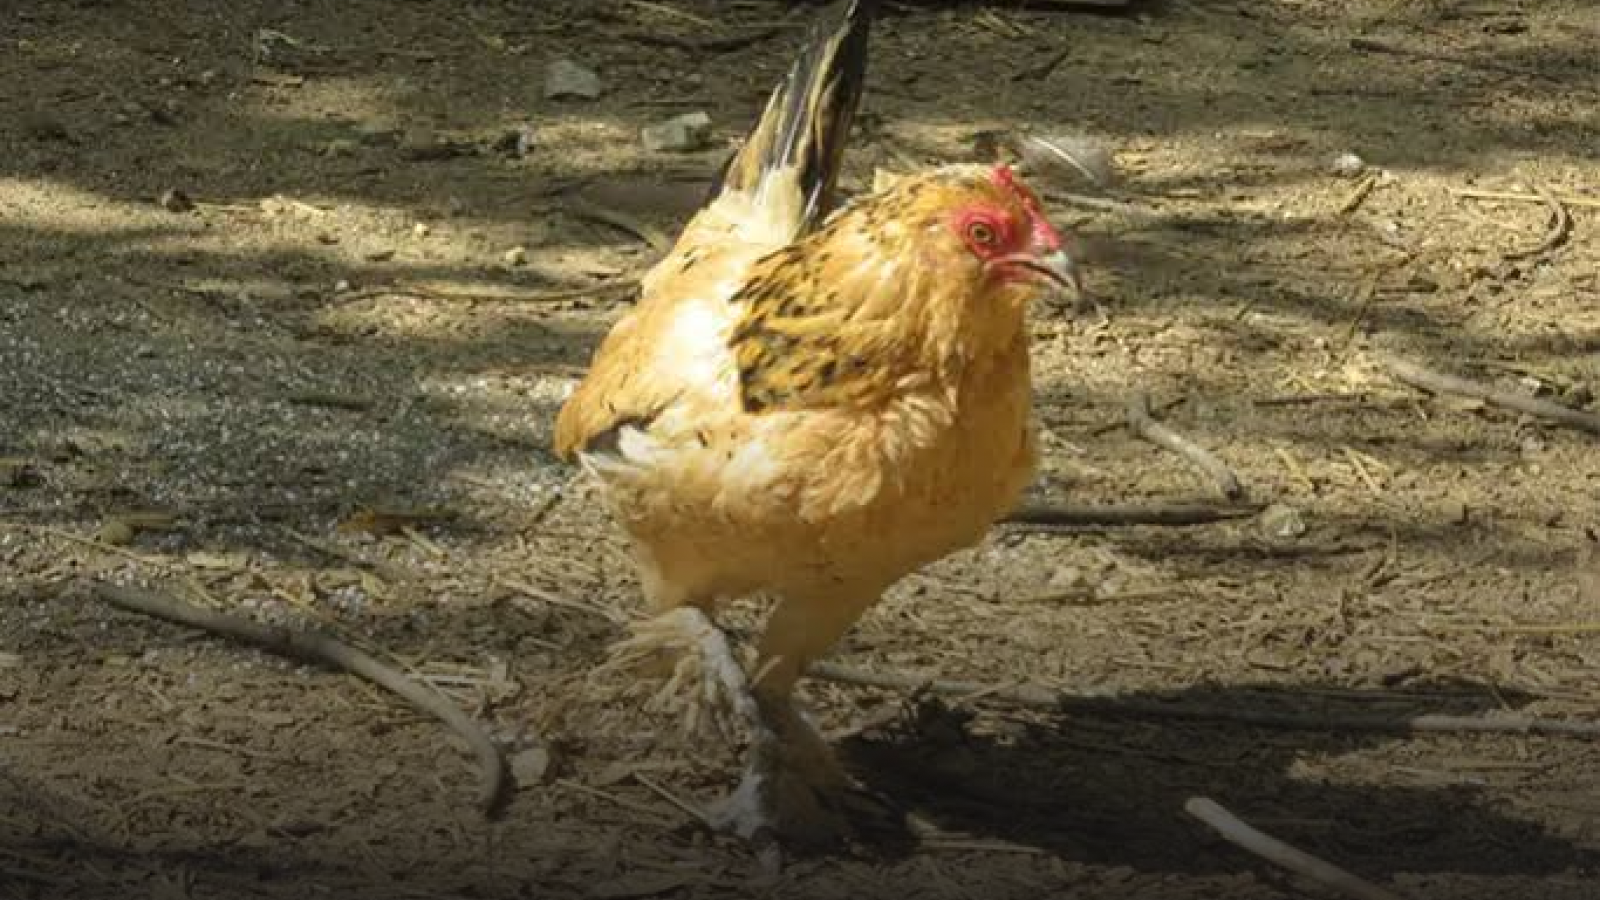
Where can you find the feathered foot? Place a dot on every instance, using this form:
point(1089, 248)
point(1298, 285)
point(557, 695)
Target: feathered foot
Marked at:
point(704, 682)
point(793, 791)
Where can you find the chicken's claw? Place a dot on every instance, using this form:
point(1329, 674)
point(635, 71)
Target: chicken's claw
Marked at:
point(793, 791)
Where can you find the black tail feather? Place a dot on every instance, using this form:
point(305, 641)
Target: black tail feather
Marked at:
point(808, 116)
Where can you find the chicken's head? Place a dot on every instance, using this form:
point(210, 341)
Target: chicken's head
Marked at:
point(1002, 226)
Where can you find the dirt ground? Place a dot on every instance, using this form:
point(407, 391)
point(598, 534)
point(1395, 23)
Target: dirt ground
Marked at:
point(323, 396)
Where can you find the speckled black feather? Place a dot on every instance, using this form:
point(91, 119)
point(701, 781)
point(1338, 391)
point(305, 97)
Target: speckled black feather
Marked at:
point(808, 116)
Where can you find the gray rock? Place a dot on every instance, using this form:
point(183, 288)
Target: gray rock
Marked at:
point(690, 131)
point(565, 79)
point(1282, 521)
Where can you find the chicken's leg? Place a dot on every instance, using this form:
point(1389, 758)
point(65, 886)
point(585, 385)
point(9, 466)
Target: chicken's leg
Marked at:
point(793, 787)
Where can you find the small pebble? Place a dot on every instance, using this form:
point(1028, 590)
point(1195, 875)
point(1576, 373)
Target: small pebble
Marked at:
point(341, 147)
point(1282, 521)
point(1068, 577)
point(531, 766)
point(690, 131)
point(115, 532)
point(1347, 165)
point(421, 230)
point(516, 256)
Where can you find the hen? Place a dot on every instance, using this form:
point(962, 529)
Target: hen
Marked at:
point(808, 403)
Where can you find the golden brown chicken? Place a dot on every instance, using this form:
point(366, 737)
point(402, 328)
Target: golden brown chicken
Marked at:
point(810, 403)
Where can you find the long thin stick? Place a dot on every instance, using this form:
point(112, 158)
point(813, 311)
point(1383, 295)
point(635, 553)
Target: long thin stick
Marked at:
point(644, 231)
point(1044, 515)
point(328, 651)
point(491, 294)
point(1440, 383)
point(1235, 831)
point(1372, 46)
point(1555, 235)
point(1577, 200)
point(1050, 698)
point(1144, 426)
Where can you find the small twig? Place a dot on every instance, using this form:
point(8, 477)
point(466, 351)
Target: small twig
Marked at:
point(328, 651)
point(542, 595)
point(1049, 516)
point(490, 294)
point(220, 746)
point(1049, 698)
point(1300, 399)
point(1088, 597)
point(653, 813)
point(1366, 295)
point(1235, 831)
point(1295, 469)
point(661, 791)
point(1140, 422)
point(1361, 471)
point(1136, 214)
point(386, 570)
point(1044, 69)
point(1440, 383)
point(1515, 197)
point(1556, 234)
point(69, 537)
point(329, 400)
point(644, 231)
point(1371, 46)
point(674, 12)
point(1122, 422)
point(1358, 194)
point(1569, 628)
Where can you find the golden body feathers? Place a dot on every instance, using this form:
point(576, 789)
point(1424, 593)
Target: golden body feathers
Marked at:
point(811, 418)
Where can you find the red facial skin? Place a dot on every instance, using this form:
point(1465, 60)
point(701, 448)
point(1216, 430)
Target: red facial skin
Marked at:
point(1008, 248)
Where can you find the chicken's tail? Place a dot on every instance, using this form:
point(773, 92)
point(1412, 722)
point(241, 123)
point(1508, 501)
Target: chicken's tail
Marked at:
point(790, 162)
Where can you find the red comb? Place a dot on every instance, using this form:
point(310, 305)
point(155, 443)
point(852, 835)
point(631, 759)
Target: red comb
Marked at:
point(1043, 233)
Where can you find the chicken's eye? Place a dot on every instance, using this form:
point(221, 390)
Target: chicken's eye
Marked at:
point(981, 233)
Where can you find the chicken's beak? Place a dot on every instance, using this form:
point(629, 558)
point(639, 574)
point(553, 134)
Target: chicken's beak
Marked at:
point(1056, 266)
point(1062, 269)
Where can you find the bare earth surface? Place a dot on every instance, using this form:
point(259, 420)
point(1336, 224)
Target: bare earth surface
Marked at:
point(323, 396)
